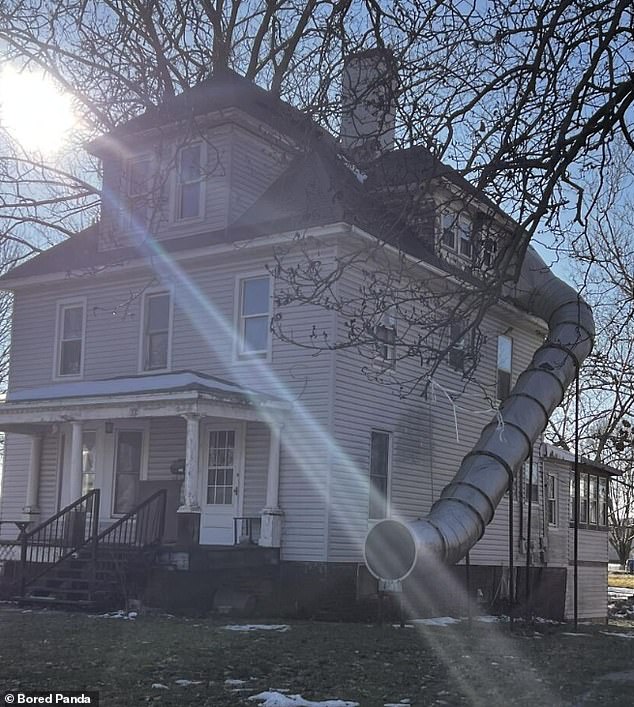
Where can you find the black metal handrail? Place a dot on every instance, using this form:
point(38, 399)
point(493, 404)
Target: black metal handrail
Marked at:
point(58, 538)
point(246, 529)
point(142, 527)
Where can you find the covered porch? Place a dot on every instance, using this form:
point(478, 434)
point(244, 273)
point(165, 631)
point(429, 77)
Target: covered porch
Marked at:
point(212, 445)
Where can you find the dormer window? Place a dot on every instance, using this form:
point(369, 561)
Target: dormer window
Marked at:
point(385, 336)
point(457, 233)
point(138, 190)
point(189, 187)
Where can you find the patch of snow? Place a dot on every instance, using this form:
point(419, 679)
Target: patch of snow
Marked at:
point(398, 704)
point(570, 633)
point(186, 683)
point(119, 615)
point(489, 619)
point(257, 627)
point(620, 635)
point(159, 686)
point(437, 621)
point(277, 699)
point(361, 176)
point(232, 682)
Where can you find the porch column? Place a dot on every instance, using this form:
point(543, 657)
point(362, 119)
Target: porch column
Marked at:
point(33, 481)
point(76, 465)
point(271, 528)
point(190, 483)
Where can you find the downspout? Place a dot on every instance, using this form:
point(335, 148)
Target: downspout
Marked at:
point(458, 519)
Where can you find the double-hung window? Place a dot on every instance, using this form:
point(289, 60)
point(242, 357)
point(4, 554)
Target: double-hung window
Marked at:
point(70, 336)
point(156, 331)
point(379, 474)
point(593, 500)
point(504, 367)
point(139, 191)
point(385, 341)
point(457, 233)
point(551, 494)
point(254, 316)
point(190, 183)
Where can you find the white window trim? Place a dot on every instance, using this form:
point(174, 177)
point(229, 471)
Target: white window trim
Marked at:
point(144, 427)
point(239, 459)
point(239, 357)
point(176, 192)
point(552, 523)
point(388, 494)
point(458, 215)
point(141, 359)
point(57, 357)
point(498, 368)
point(388, 321)
point(144, 157)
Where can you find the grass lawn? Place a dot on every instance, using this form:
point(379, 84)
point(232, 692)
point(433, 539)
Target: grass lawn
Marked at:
point(487, 664)
point(621, 580)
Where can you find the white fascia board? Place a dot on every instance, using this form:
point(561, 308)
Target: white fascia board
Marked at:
point(331, 230)
point(137, 406)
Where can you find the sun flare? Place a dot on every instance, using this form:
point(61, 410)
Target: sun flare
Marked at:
point(34, 111)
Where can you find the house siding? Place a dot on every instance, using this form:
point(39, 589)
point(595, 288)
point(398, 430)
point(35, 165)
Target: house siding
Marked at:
point(430, 436)
point(17, 453)
point(203, 320)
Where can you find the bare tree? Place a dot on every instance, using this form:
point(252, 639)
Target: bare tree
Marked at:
point(602, 259)
point(523, 98)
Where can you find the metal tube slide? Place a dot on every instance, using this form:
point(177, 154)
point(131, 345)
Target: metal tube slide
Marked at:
point(457, 520)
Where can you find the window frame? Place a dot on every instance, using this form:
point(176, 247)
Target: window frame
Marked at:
point(586, 481)
point(177, 218)
point(142, 426)
point(135, 219)
point(147, 295)
point(552, 500)
point(454, 221)
point(239, 355)
point(388, 476)
point(385, 334)
point(499, 369)
point(61, 307)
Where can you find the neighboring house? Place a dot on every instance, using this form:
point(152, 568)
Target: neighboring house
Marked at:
point(143, 358)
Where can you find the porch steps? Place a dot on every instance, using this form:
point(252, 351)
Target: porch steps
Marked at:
point(118, 571)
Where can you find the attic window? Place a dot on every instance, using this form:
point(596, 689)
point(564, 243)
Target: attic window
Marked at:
point(189, 183)
point(457, 233)
point(385, 341)
point(138, 188)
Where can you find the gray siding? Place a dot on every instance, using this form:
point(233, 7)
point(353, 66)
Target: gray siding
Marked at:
point(256, 460)
point(167, 444)
point(17, 452)
point(430, 437)
point(204, 310)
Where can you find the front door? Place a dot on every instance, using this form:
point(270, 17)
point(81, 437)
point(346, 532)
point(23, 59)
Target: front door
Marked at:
point(222, 468)
point(127, 470)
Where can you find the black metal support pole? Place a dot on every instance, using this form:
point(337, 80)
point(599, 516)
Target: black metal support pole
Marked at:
point(527, 588)
point(576, 507)
point(468, 572)
point(511, 564)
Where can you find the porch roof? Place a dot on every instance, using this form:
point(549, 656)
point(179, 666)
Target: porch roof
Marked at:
point(157, 395)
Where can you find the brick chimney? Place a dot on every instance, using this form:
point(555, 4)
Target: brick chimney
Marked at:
point(367, 103)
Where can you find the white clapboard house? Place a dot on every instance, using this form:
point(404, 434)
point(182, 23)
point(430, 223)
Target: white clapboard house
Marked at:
point(163, 440)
